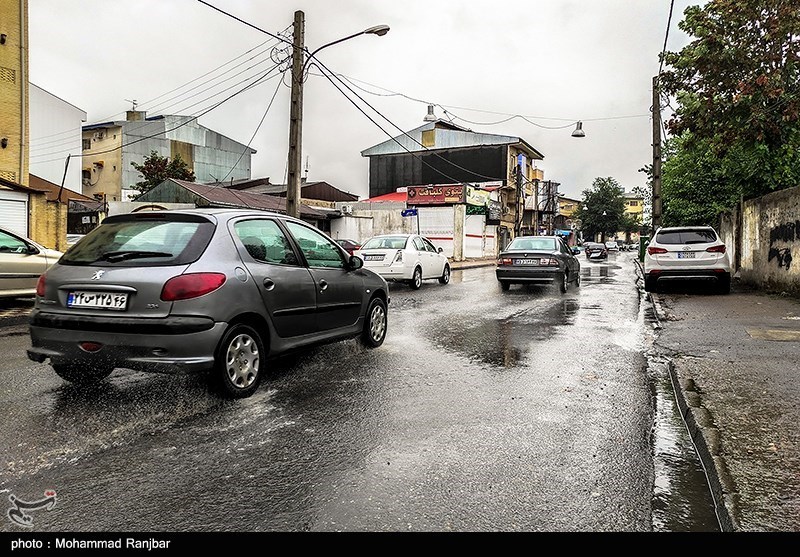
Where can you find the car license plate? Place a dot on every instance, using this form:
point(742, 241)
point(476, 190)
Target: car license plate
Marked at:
point(526, 261)
point(686, 255)
point(97, 300)
point(373, 257)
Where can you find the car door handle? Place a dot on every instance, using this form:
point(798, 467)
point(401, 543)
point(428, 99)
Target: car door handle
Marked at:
point(323, 284)
point(268, 284)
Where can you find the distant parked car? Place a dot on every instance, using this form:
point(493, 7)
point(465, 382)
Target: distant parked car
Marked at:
point(612, 245)
point(218, 290)
point(595, 250)
point(407, 258)
point(538, 260)
point(691, 253)
point(350, 246)
point(22, 261)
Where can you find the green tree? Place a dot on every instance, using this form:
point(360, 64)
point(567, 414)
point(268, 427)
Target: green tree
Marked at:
point(602, 210)
point(736, 127)
point(156, 169)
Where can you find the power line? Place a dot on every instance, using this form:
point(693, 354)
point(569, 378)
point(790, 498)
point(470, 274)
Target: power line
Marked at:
point(255, 132)
point(666, 36)
point(261, 79)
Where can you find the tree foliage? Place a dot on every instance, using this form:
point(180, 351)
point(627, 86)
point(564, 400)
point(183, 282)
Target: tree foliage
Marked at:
point(156, 169)
point(736, 127)
point(605, 196)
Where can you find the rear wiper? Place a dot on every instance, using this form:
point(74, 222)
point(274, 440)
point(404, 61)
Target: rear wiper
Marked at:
point(114, 256)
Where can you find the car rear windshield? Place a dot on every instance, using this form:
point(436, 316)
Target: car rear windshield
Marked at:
point(532, 244)
point(686, 237)
point(386, 242)
point(133, 242)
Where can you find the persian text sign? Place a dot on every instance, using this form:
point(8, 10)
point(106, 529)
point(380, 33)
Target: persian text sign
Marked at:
point(436, 195)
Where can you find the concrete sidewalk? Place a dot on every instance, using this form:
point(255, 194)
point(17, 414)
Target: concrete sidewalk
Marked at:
point(734, 364)
point(472, 263)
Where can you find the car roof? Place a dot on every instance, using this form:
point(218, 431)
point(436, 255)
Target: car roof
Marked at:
point(673, 228)
point(219, 212)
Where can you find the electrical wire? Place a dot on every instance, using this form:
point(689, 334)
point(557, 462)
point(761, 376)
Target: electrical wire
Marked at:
point(252, 137)
point(260, 80)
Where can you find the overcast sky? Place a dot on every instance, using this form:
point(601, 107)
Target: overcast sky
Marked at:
point(553, 61)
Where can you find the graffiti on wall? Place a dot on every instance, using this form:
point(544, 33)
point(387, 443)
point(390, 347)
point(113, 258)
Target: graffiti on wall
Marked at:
point(786, 233)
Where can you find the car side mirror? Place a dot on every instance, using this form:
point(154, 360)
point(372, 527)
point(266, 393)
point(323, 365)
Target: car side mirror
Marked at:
point(32, 250)
point(355, 262)
point(440, 250)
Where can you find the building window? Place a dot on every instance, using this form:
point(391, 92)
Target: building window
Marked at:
point(87, 144)
point(87, 175)
point(429, 138)
point(633, 203)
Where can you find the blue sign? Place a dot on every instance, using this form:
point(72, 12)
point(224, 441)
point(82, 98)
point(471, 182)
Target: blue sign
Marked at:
point(409, 212)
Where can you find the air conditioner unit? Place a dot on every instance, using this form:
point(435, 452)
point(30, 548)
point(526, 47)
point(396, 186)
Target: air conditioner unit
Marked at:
point(347, 209)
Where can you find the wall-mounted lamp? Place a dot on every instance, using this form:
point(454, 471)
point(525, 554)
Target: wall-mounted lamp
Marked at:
point(3, 38)
point(578, 130)
point(4, 142)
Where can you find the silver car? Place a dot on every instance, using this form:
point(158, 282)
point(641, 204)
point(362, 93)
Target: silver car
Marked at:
point(22, 261)
point(205, 289)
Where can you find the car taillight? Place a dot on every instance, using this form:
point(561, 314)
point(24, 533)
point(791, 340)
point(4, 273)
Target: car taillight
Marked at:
point(40, 286)
point(399, 257)
point(654, 251)
point(548, 262)
point(716, 249)
point(504, 261)
point(185, 287)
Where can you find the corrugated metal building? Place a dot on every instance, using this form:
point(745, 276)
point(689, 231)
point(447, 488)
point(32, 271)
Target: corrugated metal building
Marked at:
point(109, 148)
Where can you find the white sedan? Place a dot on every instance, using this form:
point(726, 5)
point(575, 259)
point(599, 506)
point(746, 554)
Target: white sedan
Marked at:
point(405, 258)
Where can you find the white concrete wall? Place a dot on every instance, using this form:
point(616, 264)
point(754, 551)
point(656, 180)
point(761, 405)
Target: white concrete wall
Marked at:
point(55, 132)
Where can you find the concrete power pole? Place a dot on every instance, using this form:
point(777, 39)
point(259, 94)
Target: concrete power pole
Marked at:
point(656, 156)
point(296, 118)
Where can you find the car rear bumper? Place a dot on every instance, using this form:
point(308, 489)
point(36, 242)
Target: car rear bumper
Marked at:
point(170, 346)
point(689, 274)
point(393, 273)
point(532, 275)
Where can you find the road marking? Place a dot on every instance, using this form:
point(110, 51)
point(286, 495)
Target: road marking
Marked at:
point(780, 335)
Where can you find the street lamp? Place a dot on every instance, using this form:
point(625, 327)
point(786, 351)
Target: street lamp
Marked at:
point(299, 62)
point(578, 132)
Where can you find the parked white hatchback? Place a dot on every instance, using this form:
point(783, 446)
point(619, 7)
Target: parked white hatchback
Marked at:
point(407, 258)
point(686, 253)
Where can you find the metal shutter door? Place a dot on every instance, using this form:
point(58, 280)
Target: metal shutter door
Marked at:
point(14, 214)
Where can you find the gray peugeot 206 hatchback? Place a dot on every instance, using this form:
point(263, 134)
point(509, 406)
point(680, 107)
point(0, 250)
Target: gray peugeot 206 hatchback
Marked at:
point(221, 290)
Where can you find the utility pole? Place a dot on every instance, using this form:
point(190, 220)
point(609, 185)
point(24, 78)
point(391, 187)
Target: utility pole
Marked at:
point(520, 214)
point(296, 118)
point(656, 156)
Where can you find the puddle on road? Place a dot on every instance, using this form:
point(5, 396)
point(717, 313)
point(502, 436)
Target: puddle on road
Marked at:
point(505, 342)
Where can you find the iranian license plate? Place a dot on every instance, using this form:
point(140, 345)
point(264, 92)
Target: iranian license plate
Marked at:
point(374, 257)
point(526, 261)
point(99, 300)
point(686, 255)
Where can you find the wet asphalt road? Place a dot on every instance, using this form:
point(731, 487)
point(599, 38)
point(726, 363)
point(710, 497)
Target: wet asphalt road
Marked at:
point(525, 410)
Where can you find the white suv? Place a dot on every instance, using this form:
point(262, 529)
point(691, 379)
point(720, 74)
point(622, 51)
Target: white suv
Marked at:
point(686, 253)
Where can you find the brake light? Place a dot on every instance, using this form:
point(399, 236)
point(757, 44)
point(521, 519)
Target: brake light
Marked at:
point(399, 257)
point(716, 249)
point(40, 286)
point(504, 261)
point(548, 262)
point(192, 285)
point(654, 251)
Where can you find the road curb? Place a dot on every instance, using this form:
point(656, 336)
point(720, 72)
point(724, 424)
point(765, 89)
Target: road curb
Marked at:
point(702, 430)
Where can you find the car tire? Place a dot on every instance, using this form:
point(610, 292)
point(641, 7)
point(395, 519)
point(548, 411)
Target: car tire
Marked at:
point(504, 285)
point(81, 374)
point(577, 279)
point(416, 279)
point(564, 282)
point(375, 324)
point(445, 278)
point(239, 362)
point(724, 285)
